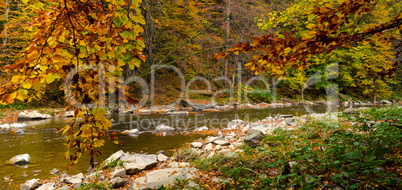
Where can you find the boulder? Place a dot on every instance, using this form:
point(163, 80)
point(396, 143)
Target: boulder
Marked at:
point(115, 156)
point(173, 165)
point(235, 124)
point(277, 104)
point(253, 137)
point(162, 158)
point(132, 132)
point(68, 114)
point(75, 179)
point(47, 186)
point(33, 115)
point(142, 112)
point(164, 128)
point(386, 102)
point(211, 139)
point(208, 147)
point(203, 128)
point(118, 173)
point(20, 159)
point(15, 126)
point(176, 113)
point(117, 182)
point(30, 184)
point(5, 126)
point(138, 162)
point(222, 142)
point(163, 177)
point(196, 144)
point(265, 105)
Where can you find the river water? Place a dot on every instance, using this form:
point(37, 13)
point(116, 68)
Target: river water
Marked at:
point(46, 148)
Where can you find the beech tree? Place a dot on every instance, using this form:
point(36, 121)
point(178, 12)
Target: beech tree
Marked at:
point(330, 26)
point(88, 42)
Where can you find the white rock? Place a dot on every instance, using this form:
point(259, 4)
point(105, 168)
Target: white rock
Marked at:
point(162, 158)
point(163, 127)
point(18, 125)
point(222, 142)
point(173, 165)
point(184, 164)
point(20, 159)
point(26, 115)
point(47, 186)
point(208, 147)
point(115, 156)
point(76, 179)
point(119, 173)
point(203, 128)
point(210, 155)
point(218, 147)
point(132, 132)
point(31, 184)
point(117, 182)
point(196, 144)
point(5, 126)
point(234, 124)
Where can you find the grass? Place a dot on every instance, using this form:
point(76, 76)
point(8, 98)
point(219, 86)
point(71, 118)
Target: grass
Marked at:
point(91, 186)
point(323, 156)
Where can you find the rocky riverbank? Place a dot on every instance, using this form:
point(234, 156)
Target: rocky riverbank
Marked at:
point(124, 170)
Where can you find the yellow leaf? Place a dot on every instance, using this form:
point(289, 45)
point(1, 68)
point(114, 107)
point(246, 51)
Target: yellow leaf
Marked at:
point(50, 78)
point(36, 84)
point(25, 1)
point(15, 79)
point(27, 85)
point(22, 93)
point(13, 95)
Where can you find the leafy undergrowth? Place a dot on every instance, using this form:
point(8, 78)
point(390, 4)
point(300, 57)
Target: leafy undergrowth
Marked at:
point(318, 155)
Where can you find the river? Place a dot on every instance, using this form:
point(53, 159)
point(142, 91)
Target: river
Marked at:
point(46, 148)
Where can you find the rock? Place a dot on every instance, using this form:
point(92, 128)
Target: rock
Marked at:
point(54, 171)
point(287, 104)
point(15, 126)
point(20, 159)
point(65, 187)
point(34, 115)
point(176, 113)
point(184, 164)
point(117, 182)
point(76, 179)
point(163, 177)
point(212, 110)
point(218, 147)
point(118, 173)
point(132, 131)
point(5, 126)
point(47, 186)
point(216, 180)
point(265, 105)
point(192, 184)
point(234, 124)
point(277, 104)
point(196, 144)
point(31, 184)
point(142, 112)
point(208, 147)
point(139, 162)
point(386, 102)
point(173, 165)
point(321, 102)
point(290, 120)
point(68, 114)
point(162, 158)
point(253, 137)
point(222, 142)
point(115, 156)
point(210, 155)
point(210, 139)
point(203, 128)
point(164, 128)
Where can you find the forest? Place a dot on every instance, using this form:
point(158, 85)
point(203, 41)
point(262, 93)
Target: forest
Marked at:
point(95, 58)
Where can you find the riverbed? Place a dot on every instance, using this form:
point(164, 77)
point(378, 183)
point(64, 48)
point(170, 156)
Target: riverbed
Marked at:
point(46, 147)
